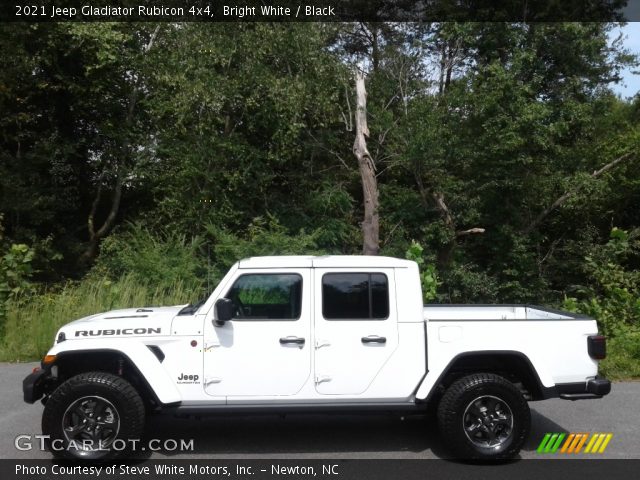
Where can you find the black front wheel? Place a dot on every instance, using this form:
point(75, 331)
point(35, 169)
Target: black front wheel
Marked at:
point(93, 416)
point(484, 417)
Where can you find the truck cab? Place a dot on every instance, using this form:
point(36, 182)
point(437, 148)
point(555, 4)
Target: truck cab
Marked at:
point(311, 330)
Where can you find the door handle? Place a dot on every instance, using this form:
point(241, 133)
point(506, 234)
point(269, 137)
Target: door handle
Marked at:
point(288, 340)
point(374, 339)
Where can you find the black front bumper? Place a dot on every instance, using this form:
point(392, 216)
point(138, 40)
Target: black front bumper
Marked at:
point(33, 386)
point(595, 388)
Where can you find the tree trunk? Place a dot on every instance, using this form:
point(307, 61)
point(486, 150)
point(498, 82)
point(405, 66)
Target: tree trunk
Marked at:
point(371, 222)
point(96, 235)
point(375, 48)
point(443, 66)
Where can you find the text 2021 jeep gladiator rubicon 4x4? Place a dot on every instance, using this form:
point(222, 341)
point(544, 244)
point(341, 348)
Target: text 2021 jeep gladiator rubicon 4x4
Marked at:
point(321, 334)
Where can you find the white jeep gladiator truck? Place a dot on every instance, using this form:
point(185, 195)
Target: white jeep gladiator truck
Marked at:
point(315, 334)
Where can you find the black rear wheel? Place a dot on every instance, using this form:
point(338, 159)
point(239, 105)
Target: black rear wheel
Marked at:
point(484, 417)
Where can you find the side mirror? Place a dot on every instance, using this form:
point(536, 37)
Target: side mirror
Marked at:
point(223, 311)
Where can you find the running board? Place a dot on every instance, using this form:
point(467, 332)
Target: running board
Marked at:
point(326, 408)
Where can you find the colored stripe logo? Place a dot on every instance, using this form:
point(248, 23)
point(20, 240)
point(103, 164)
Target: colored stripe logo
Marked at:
point(574, 442)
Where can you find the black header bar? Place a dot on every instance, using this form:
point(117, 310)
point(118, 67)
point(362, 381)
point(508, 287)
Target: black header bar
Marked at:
point(319, 10)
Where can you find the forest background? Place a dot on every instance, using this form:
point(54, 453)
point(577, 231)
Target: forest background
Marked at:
point(139, 161)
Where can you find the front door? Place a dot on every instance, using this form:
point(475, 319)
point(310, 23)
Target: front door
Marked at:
point(355, 326)
point(265, 349)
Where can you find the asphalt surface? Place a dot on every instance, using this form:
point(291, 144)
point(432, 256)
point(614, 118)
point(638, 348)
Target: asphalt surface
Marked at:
point(336, 437)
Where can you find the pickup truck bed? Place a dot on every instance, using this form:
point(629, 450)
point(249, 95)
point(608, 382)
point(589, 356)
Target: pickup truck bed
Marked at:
point(515, 312)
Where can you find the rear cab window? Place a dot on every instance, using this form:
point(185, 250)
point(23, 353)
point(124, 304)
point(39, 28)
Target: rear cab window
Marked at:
point(355, 296)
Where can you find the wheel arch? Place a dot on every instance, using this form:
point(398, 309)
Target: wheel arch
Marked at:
point(142, 371)
point(511, 364)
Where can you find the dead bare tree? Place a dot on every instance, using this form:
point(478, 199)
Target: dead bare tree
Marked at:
point(366, 165)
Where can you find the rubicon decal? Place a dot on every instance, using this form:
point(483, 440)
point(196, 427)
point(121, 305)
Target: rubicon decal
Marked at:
point(574, 442)
point(118, 331)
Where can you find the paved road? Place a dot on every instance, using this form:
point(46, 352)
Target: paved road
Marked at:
point(310, 436)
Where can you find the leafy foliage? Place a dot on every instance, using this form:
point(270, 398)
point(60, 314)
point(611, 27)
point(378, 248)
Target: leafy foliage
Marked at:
point(15, 273)
point(613, 295)
point(236, 141)
point(428, 276)
point(265, 236)
point(158, 259)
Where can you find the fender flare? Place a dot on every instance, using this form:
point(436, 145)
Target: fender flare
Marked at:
point(427, 386)
point(139, 357)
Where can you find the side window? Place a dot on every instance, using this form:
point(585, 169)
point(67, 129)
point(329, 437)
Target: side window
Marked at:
point(355, 296)
point(267, 297)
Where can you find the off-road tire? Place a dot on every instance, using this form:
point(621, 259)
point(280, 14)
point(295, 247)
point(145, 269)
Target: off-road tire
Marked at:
point(464, 396)
point(117, 393)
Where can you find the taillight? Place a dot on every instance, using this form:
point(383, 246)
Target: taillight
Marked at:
point(597, 346)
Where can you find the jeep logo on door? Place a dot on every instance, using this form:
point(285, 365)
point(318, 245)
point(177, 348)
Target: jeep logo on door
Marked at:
point(184, 378)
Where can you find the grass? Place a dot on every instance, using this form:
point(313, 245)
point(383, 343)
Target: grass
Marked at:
point(623, 357)
point(31, 324)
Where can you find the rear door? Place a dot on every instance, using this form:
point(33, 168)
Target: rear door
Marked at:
point(355, 327)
